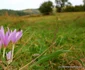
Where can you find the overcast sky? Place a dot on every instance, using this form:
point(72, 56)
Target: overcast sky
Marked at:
point(28, 4)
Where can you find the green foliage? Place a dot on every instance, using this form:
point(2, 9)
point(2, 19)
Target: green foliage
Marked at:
point(46, 8)
point(84, 2)
point(74, 8)
point(69, 9)
point(60, 4)
point(50, 56)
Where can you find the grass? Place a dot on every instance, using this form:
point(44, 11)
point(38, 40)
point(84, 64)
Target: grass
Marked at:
point(47, 36)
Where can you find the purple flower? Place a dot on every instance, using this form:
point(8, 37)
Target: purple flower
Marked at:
point(9, 55)
point(16, 36)
point(5, 38)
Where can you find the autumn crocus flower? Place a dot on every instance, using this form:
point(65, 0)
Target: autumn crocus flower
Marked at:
point(9, 57)
point(5, 38)
point(16, 35)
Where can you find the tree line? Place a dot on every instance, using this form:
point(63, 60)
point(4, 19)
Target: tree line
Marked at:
point(61, 6)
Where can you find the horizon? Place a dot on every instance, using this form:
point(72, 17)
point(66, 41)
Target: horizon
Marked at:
point(25, 4)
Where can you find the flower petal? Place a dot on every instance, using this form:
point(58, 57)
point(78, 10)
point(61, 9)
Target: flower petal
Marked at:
point(18, 35)
point(13, 34)
point(9, 55)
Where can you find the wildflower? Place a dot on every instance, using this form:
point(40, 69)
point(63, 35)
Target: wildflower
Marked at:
point(5, 38)
point(9, 57)
point(16, 36)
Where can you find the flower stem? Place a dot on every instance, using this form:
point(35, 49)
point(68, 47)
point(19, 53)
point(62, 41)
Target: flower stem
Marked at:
point(4, 52)
point(13, 50)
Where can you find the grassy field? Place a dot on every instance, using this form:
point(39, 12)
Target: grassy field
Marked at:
point(48, 42)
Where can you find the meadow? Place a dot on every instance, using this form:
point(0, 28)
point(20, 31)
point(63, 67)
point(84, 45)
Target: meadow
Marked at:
point(48, 42)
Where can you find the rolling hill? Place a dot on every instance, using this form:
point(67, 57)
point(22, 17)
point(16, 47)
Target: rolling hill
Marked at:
point(31, 11)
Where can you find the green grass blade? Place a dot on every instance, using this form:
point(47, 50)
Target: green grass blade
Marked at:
point(50, 56)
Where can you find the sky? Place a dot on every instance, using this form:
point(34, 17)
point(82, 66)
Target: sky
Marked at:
point(28, 4)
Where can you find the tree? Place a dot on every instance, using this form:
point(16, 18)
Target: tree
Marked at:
point(60, 4)
point(68, 4)
point(46, 8)
point(84, 2)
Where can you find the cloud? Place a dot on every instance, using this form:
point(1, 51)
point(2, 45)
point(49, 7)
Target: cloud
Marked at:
point(13, 1)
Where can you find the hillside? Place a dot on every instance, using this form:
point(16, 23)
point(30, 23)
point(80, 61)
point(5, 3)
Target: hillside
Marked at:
point(19, 12)
point(31, 11)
